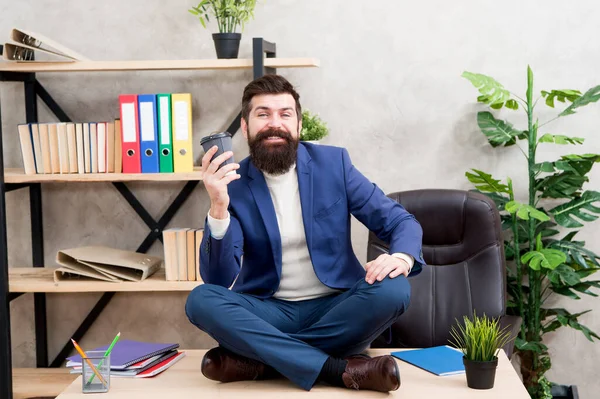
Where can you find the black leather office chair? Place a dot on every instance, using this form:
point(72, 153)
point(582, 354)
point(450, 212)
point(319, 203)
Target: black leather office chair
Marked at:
point(466, 273)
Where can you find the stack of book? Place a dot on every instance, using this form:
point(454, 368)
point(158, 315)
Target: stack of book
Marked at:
point(71, 147)
point(135, 359)
point(182, 257)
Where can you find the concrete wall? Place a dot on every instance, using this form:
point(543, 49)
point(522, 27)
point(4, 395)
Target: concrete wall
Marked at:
point(389, 87)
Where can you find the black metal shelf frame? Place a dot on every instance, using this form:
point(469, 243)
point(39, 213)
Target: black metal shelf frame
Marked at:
point(33, 89)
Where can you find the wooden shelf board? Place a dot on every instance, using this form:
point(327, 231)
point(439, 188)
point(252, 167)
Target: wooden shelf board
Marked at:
point(30, 279)
point(40, 382)
point(17, 175)
point(154, 65)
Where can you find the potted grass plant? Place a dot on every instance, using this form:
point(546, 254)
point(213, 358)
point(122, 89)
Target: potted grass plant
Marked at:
point(230, 15)
point(480, 340)
point(313, 127)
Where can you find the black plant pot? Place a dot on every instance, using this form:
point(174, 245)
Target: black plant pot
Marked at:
point(564, 392)
point(480, 375)
point(227, 44)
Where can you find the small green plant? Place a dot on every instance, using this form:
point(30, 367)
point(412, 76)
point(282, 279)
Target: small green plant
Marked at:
point(313, 127)
point(479, 339)
point(230, 14)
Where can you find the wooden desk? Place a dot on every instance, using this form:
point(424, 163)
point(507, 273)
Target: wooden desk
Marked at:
point(184, 380)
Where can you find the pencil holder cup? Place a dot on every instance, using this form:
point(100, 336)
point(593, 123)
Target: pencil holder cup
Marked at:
point(95, 372)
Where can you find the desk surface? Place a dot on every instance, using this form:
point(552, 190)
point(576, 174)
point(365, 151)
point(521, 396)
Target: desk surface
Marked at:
point(184, 380)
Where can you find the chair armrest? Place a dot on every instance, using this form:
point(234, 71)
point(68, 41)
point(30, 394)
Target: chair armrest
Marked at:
point(513, 325)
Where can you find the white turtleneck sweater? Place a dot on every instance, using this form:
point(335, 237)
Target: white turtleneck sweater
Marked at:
point(298, 279)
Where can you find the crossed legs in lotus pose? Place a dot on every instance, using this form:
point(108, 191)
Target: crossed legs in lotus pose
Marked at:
point(305, 341)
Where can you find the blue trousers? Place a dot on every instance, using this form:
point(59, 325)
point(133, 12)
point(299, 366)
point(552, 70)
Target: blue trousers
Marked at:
point(297, 337)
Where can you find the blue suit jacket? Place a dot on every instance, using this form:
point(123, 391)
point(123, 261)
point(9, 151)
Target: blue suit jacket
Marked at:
point(330, 190)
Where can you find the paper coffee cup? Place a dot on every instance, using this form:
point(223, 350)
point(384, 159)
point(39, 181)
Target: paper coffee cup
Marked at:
point(223, 142)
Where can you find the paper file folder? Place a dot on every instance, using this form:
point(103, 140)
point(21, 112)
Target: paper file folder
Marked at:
point(148, 133)
point(165, 144)
point(130, 133)
point(183, 160)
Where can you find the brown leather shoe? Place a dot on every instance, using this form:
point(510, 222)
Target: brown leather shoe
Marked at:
point(220, 364)
point(377, 374)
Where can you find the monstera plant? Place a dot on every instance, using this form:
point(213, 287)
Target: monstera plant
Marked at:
point(544, 257)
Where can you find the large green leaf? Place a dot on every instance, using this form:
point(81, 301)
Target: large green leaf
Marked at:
point(563, 275)
point(546, 229)
point(492, 92)
point(565, 291)
point(577, 163)
point(511, 104)
point(523, 345)
point(525, 211)
point(584, 287)
point(546, 258)
point(565, 318)
point(589, 334)
point(560, 139)
point(581, 208)
point(541, 257)
point(560, 95)
point(498, 132)
point(583, 273)
point(560, 185)
point(547, 167)
point(486, 183)
point(570, 176)
point(576, 253)
point(590, 96)
point(499, 199)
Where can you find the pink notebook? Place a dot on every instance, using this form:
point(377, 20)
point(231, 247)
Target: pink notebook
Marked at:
point(160, 367)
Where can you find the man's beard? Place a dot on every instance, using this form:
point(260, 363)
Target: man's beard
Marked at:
point(275, 159)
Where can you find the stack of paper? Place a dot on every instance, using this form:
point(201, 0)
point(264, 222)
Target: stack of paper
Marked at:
point(135, 359)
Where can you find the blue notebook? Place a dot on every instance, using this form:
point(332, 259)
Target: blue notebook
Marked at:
point(127, 352)
point(439, 360)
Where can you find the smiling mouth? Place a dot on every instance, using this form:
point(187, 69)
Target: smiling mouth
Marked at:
point(274, 139)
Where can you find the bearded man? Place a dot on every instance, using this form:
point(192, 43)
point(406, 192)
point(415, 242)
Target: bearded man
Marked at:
point(284, 293)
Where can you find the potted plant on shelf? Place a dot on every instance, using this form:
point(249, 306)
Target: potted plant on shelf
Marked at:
point(313, 128)
point(480, 340)
point(230, 15)
point(545, 259)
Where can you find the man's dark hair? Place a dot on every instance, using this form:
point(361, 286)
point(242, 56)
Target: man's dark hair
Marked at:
point(268, 84)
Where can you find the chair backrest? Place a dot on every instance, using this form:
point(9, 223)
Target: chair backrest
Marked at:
point(466, 273)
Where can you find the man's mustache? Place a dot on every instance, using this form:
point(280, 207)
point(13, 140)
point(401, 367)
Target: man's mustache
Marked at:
point(274, 133)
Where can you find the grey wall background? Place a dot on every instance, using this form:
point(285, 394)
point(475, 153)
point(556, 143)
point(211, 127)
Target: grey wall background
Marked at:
point(389, 87)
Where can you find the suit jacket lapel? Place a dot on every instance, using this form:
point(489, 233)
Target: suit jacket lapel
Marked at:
point(262, 197)
point(305, 186)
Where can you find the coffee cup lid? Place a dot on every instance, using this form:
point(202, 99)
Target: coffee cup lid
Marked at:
point(215, 136)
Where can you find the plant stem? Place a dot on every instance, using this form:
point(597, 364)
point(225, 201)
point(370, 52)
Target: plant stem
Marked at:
point(519, 97)
point(523, 152)
point(533, 279)
point(515, 228)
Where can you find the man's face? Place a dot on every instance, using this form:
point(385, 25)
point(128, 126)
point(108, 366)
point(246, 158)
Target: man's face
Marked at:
point(272, 131)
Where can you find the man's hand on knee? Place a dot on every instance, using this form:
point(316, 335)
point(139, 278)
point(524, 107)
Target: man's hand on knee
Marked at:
point(385, 265)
